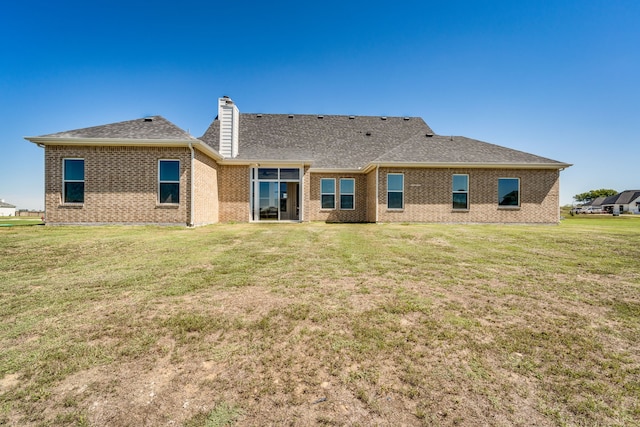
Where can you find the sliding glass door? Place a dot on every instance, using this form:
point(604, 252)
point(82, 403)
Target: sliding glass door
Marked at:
point(275, 194)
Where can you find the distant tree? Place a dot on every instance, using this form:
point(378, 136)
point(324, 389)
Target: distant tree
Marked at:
point(594, 194)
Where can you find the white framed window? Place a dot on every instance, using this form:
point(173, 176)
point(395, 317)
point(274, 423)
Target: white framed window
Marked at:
point(460, 192)
point(276, 193)
point(509, 192)
point(327, 193)
point(169, 181)
point(347, 194)
point(73, 180)
point(395, 191)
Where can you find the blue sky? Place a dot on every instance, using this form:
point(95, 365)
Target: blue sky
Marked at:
point(560, 79)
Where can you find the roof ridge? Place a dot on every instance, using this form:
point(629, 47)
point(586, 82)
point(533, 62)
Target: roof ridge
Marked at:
point(350, 116)
point(135, 129)
point(401, 144)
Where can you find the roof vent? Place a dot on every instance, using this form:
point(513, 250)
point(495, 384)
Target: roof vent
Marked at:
point(321, 117)
point(352, 117)
point(368, 133)
point(406, 118)
point(258, 115)
point(148, 119)
point(384, 117)
point(429, 134)
point(291, 116)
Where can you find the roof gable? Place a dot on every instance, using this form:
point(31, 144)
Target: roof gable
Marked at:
point(148, 128)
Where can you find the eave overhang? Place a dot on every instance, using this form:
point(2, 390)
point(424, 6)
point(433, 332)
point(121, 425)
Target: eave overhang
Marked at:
point(126, 142)
point(206, 149)
point(336, 170)
point(263, 162)
point(466, 165)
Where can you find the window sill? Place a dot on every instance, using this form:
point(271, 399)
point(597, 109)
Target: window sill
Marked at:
point(508, 208)
point(395, 210)
point(167, 205)
point(71, 205)
point(460, 210)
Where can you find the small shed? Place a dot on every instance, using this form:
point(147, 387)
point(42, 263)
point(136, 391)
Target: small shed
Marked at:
point(7, 209)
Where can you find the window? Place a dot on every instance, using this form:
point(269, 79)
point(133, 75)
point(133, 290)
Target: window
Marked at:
point(328, 193)
point(509, 192)
point(290, 174)
point(275, 193)
point(169, 181)
point(395, 191)
point(460, 190)
point(73, 181)
point(347, 193)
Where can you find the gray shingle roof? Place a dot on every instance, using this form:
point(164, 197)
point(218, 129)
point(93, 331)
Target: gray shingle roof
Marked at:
point(352, 142)
point(156, 127)
point(623, 198)
point(596, 202)
point(329, 141)
point(457, 149)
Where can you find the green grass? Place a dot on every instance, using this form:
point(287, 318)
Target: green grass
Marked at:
point(16, 221)
point(308, 324)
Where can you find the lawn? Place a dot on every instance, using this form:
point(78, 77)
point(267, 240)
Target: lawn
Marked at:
point(13, 221)
point(318, 324)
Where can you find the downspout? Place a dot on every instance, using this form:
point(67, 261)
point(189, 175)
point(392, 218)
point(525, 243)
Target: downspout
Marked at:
point(302, 195)
point(44, 217)
point(191, 196)
point(377, 184)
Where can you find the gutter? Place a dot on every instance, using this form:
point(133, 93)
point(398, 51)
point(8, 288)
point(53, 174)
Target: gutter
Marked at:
point(263, 162)
point(124, 142)
point(467, 165)
point(191, 196)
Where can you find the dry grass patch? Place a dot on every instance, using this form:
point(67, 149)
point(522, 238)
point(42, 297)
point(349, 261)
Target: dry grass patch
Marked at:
point(321, 324)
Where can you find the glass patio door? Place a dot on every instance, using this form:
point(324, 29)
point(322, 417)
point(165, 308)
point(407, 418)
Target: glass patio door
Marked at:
point(268, 201)
point(275, 194)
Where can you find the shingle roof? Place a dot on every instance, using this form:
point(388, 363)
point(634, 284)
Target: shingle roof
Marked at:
point(326, 141)
point(457, 149)
point(336, 142)
point(623, 198)
point(329, 141)
point(6, 205)
point(156, 127)
point(598, 201)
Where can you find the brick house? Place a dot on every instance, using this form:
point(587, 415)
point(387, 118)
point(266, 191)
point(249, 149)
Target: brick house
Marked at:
point(286, 167)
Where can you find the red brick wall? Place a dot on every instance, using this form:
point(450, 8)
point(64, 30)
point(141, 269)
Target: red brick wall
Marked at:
point(316, 213)
point(233, 187)
point(427, 196)
point(371, 196)
point(206, 205)
point(121, 185)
